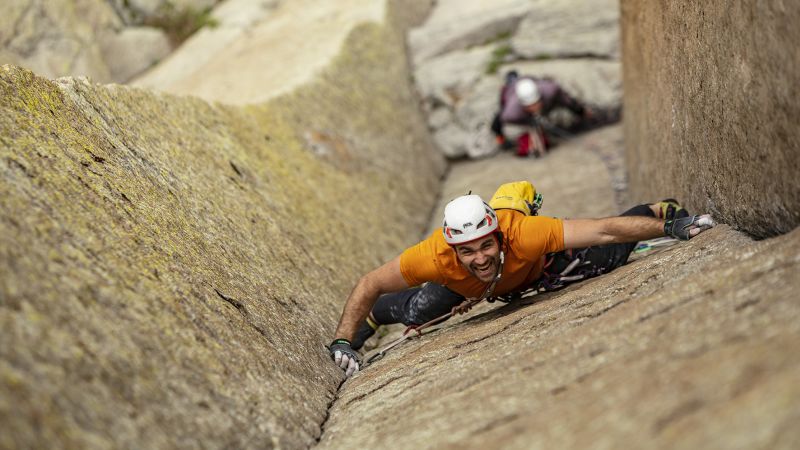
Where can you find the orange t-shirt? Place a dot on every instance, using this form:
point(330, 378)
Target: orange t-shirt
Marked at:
point(527, 240)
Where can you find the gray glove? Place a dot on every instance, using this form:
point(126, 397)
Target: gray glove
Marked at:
point(344, 356)
point(686, 228)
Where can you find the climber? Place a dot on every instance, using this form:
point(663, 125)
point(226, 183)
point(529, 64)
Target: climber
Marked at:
point(480, 252)
point(525, 100)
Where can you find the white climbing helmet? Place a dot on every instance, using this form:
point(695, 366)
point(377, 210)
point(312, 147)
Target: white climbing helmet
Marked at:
point(527, 92)
point(468, 218)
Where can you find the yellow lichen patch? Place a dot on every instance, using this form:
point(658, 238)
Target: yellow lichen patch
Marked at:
point(187, 261)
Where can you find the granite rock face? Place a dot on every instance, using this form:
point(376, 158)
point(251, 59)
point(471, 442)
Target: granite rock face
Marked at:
point(711, 108)
point(458, 24)
point(571, 28)
point(275, 46)
point(170, 269)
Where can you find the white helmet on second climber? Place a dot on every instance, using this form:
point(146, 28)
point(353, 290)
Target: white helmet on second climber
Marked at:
point(468, 218)
point(526, 91)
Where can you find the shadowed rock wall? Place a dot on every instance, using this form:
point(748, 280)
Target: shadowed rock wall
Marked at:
point(711, 108)
point(170, 268)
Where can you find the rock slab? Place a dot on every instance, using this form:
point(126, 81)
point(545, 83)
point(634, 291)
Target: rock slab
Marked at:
point(170, 269)
point(711, 110)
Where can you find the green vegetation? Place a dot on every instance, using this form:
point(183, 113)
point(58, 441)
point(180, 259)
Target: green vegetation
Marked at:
point(499, 55)
point(499, 37)
point(179, 24)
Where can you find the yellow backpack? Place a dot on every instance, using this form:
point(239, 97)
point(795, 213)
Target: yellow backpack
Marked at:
point(517, 195)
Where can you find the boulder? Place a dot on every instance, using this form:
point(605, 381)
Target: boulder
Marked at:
point(449, 78)
point(236, 18)
point(57, 38)
point(452, 140)
point(133, 50)
point(458, 24)
point(453, 72)
point(138, 12)
point(270, 55)
point(568, 29)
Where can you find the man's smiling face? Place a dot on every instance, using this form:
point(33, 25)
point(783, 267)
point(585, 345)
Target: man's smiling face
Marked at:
point(480, 257)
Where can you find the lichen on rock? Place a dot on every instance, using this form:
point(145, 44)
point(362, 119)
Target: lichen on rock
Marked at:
point(172, 268)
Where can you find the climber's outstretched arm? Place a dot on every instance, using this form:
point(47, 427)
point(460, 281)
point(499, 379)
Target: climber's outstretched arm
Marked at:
point(580, 233)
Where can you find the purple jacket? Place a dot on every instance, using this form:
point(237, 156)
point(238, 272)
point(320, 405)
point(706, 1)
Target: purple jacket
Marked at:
point(552, 95)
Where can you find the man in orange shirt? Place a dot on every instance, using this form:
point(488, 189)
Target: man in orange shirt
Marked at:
point(480, 253)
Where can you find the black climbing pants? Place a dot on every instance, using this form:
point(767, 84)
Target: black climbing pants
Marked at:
point(418, 305)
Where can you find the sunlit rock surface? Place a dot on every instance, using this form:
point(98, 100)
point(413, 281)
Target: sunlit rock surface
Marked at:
point(170, 269)
point(275, 48)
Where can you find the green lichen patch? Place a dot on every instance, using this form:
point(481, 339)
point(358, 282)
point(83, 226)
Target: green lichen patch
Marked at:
point(168, 264)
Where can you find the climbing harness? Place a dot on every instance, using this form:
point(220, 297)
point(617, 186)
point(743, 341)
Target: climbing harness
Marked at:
point(465, 306)
point(578, 267)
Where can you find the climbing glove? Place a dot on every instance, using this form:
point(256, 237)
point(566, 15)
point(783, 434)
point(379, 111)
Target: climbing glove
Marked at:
point(344, 356)
point(686, 228)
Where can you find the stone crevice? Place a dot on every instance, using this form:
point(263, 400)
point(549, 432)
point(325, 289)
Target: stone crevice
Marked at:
point(377, 388)
point(248, 318)
point(495, 423)
point(328, 414)
point(685, 409)
point(236, 303)
point(14, 164)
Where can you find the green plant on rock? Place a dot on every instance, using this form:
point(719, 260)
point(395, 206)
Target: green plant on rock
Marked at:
point(499, 56)
point(179, 24)
point(499, 37)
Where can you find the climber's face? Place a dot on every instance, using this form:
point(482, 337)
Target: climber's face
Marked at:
point(481, 257)
point(535, 108)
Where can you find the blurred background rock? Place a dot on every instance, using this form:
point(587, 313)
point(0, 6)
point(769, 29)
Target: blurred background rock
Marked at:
point(106, 40)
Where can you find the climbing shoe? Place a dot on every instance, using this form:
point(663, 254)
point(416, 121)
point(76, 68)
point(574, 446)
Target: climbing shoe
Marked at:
point(669, 209)
point(365, 331)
